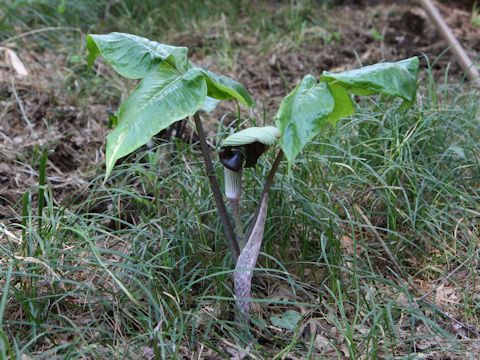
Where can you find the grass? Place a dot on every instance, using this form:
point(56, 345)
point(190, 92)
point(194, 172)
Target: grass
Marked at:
point(213, 28)
point(141, 262)
point(475, 19)
point(139, 267)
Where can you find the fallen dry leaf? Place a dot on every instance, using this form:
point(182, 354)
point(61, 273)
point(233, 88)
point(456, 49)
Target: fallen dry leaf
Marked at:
point(15, 62)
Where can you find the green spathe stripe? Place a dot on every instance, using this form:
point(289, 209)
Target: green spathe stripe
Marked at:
point(267, 135)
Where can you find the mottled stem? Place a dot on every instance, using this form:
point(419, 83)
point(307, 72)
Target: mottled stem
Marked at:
point(246, 263)
point(248, 257)
point(266, 188)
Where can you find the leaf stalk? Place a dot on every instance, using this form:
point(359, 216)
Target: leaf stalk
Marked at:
point(217, 194)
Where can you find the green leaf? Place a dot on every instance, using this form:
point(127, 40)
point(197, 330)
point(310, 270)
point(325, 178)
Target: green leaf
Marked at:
point(224, 88)
point(388, 78)
point(302, 114)
point(209, 104)
point(267, 135)
point(289, 320)
point(134, 56)
point(6, 351)
point(343, 103)
point(160, 99)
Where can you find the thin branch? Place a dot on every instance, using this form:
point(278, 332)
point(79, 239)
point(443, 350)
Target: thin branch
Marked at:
point(446, 278)
point(462, 57)
point(449, 316)
point(36, 31)
point(217, 194)
point(404, 276)
point(20, 105)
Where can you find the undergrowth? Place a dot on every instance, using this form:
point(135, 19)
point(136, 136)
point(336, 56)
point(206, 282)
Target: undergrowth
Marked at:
point(373, 217)
point(139, 264)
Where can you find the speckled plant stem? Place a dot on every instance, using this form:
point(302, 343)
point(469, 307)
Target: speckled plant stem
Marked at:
point(246, 262)
point(248, 257)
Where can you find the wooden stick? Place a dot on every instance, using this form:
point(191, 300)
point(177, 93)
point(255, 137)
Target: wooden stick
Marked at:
point(463, 59)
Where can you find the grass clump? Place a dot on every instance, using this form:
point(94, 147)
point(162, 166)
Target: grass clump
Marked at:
point(138, 266)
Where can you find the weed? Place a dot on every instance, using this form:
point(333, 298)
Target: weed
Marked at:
point(475, 19)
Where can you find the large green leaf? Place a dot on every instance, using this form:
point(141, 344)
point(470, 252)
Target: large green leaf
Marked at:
point(210, 104)
point(343, 103)
point(224, 88)
point(302, 114)
point(134, 56)
point(388, 78)
point(160, 99)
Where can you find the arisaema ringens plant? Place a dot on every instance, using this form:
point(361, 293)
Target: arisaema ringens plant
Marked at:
point(172, 88)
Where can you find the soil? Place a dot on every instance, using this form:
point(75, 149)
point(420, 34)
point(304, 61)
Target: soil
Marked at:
point(37, 112)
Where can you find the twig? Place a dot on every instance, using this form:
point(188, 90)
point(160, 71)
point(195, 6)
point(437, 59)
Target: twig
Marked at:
point(405, 276)
point(465, 62)
point(20, 105)
point(444, 280)
point(450, 317)
point(37, 31)
point(217, 194)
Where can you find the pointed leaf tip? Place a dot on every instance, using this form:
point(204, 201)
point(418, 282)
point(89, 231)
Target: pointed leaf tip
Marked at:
point(224, 88)
point(133, 56)
point(160, 99)
point(387, 78)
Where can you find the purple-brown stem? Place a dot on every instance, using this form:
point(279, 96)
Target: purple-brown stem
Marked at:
point(248, 257)
point(217, 194)
point(266, 188)
point(247, 260)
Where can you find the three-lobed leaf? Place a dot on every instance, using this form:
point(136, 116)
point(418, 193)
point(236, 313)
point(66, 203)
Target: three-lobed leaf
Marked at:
point(133, 56)
point(388, 78)
point(173, 88)
point(312, 105)
point(302, 114)
point(163, 97)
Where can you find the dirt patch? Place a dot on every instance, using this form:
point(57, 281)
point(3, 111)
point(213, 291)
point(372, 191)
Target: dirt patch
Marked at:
point(366, 35)
point(36, 115)
point(354, 35)
point(36, 112)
